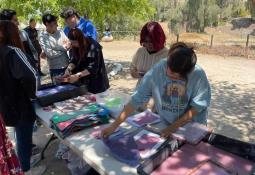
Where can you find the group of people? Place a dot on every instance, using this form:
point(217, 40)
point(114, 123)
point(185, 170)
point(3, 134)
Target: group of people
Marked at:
point(73, 55)
point(169, 80)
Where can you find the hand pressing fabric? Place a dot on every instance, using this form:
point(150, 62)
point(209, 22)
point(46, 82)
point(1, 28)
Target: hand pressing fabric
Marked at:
point(167, 132)
point(73, 78)
point(67, 73)
point(108, 131)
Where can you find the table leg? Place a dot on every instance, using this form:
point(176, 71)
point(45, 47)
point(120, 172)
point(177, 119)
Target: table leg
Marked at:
point(53, 137)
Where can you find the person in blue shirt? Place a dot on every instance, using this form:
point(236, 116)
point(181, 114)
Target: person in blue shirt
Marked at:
point(73, 20)
point(180, 88)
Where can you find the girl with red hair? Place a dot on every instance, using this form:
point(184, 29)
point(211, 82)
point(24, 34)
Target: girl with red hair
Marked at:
point(152, 40)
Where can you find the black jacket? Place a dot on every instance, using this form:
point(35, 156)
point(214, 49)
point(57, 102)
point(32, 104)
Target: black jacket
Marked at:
point(33, 36)
point(97, 81)
point(18, 86)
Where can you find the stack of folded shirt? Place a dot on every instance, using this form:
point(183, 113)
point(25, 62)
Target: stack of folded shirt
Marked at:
point(132, 147)
point(192, 132)
point(90, 115)
point(75, 104)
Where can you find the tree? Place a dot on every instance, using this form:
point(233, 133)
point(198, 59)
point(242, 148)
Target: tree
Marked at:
point(231, 8)
point(200, 14)
point(251, 6)
point(100, 11)
point(176, 17)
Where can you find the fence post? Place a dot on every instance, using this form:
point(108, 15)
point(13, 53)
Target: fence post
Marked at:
point(177, 38)
point(247, 41)
point(211, 41)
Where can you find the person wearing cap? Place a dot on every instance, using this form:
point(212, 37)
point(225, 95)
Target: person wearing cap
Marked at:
point(73, 20)
point(55, 45)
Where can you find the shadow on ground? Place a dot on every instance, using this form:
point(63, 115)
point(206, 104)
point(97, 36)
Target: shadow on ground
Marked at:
point(232, 111)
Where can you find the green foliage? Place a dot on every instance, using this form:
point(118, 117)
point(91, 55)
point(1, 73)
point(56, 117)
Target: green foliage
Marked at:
point(195, 15)
point(200, 14)
point(238, 8)
point(117, 13)
point(251, 7)
point(231, 8)
point(176, 17)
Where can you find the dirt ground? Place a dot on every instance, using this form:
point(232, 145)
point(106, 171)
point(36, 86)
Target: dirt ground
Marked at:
point(232, 111)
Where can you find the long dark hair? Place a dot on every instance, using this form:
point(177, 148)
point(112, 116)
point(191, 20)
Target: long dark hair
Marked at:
point(182, 59)
point(84, 43)
point(11, 35)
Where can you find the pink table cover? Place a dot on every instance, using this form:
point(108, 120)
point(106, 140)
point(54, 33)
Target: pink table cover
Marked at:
point(190, 156)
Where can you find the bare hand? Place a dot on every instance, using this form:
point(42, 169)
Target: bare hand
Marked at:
point(107, 131)
point(62, 79)
point(136, 74)
point(66, 44)
point(167, 132)
point(67, 73)
point(72, 78)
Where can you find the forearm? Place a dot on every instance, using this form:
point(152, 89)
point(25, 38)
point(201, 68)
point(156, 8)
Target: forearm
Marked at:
point(127, 111)
point(83, 73)
point(187, 116)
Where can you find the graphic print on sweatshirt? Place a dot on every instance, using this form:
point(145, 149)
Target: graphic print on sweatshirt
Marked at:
point(174, 98)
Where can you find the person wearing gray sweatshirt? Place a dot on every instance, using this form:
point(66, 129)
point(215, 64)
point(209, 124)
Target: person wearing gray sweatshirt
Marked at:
point(55, 45)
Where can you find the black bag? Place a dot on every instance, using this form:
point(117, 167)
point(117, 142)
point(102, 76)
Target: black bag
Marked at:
point(242, 149)
point(49, 94)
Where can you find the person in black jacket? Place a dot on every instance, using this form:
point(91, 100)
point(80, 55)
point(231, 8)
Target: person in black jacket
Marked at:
point(29, 49)
point(87, 63)
point(18, 87)
point(33, 36)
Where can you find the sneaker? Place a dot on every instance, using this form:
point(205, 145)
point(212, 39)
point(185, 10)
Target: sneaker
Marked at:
point(39, 170)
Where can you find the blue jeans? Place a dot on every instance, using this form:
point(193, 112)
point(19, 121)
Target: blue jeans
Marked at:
point(56, 72)
point(24, 132)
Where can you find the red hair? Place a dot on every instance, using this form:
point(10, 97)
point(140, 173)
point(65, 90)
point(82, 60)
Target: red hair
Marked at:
point(77, 35)
point(154, 31)
point(10, 34)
